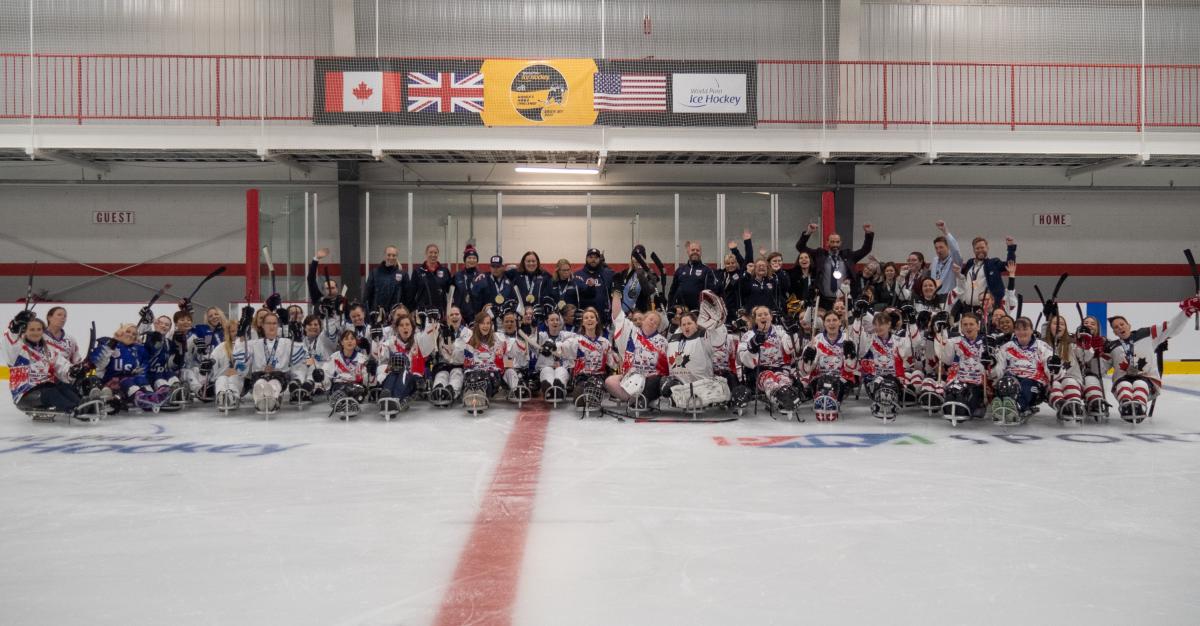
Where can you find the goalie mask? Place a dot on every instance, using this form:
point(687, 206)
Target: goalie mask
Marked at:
point(633, 383)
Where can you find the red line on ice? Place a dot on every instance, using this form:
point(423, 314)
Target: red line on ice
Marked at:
point(484, 587)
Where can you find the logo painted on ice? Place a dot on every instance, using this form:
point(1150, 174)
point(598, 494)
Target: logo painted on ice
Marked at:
point(157, 443)
point(836, 440)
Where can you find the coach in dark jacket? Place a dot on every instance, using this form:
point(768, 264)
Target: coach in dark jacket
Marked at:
point(387, 285)
point(430, 282)
point(691, 279)
point(832, 260)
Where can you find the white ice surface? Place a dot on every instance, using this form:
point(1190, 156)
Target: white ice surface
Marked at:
point(633, 523)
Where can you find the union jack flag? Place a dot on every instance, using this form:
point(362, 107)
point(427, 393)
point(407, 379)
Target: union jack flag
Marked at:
point(445, 92)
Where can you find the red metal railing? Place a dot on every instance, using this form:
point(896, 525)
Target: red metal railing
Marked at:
point(886, 94)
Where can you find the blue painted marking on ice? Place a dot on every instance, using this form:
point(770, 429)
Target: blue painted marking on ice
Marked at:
point(1183, 390)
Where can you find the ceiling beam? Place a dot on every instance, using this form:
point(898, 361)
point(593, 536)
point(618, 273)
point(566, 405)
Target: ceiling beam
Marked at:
point(55, 155)
point(916, 159)
point(1103, 165)
point(286, 160)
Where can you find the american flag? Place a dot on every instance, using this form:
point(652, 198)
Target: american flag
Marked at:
point(630, 92)
point(445, 92)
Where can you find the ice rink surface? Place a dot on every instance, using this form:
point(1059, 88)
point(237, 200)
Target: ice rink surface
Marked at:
point(440, 518)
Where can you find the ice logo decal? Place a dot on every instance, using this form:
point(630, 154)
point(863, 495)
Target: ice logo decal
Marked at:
point(157, 443)
point(833, 440)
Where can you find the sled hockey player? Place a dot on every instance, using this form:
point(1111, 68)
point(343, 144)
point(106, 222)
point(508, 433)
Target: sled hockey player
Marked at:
point(40, 376)
point(402, 361)
point(486, 361)
point(123, 362)
point(767, 355)
point(725, 352)
point(162, 362)
point(347, 371)
point(554, 365)
point(1136, 379)
point(228, 363)
point(920, 358)
point(643, 352)
point(318, 347)
point(828, 367)
point(691, 383)
point(517, 332)
point(882, 359)
point(588, 350)
point(57, 337)
point(1025, 358)
point(968, 360)
point(1094, 363)
point(1065, 370)
point(447, 371)
point(269, 362)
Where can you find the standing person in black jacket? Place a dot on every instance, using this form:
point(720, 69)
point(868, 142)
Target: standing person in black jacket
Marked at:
point(802, 279)
point(464, 282)
point(599, 278)
point(568, 290)
point(387, 285)
point(330, 292)
point(532, 282)
point(691, 279)
point(833, 263)
point(431, 282)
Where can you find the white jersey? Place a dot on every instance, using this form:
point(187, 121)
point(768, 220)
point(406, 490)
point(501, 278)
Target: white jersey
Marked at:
point(1028, 361)
point(1134, 356)
point(346, 369)
point(64, 345)
point(560, 357)
point(224, 361)
point(776, 352)
point(963, 357)
point(691, 358)
point(886, 356)
point(831, 358)
point(280, 355)
point(589, 356)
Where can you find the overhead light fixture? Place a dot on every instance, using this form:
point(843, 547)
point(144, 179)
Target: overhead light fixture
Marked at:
point(557, 170)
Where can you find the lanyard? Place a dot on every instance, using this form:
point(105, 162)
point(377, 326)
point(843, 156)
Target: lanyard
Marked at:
point(271, 360)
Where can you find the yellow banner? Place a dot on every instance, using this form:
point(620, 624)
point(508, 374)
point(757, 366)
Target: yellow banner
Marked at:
point(551, 92)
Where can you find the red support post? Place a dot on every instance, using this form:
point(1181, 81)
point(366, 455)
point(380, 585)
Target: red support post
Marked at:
point(828, 217)
point(252, 294)
point(1012, 97)
point(885, 96)
point(79, 89)
point(218, 94)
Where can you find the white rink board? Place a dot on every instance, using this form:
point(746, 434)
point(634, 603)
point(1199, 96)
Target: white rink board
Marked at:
point(632, 523)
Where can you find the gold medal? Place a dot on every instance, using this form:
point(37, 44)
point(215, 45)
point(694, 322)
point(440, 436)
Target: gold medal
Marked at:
point(562, 304)
point(499, 299)
point(529, 298)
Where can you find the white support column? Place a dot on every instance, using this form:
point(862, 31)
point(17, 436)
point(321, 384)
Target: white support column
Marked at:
point(499, 222)
point(774, 221)
point(307, 257)
point(720, 219)
point(316, 231)
point(589, 221)
point(676, 231)
point(341, 15)
point(410, 231)
point(367, 232)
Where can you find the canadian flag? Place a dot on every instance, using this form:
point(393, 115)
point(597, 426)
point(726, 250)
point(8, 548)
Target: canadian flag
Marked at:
point(363, 91)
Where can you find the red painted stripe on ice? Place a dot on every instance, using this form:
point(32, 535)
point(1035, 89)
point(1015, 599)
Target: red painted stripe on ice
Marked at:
point(485, 582)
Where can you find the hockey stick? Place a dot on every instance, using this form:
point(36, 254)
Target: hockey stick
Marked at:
point(1038, 290)
point(158, 294)
point(270, 267)
point(1191, 261)
point(29, 288)
point(211, 275)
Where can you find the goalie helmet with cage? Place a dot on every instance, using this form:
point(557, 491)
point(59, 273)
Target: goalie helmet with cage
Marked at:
point(885, 401)
point(399, 362)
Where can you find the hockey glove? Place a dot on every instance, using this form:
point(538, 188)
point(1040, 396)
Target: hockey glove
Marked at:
point(1191, 305)
point(18, 323)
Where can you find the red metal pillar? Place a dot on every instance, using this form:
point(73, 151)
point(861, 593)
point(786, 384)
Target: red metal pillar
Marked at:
point(828, 218)
point(252, 294)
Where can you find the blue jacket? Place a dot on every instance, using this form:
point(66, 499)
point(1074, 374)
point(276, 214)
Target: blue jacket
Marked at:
point(992, 270)
point(386, 287)
point(600, 280)
point(690, 280)
point(464, 282)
